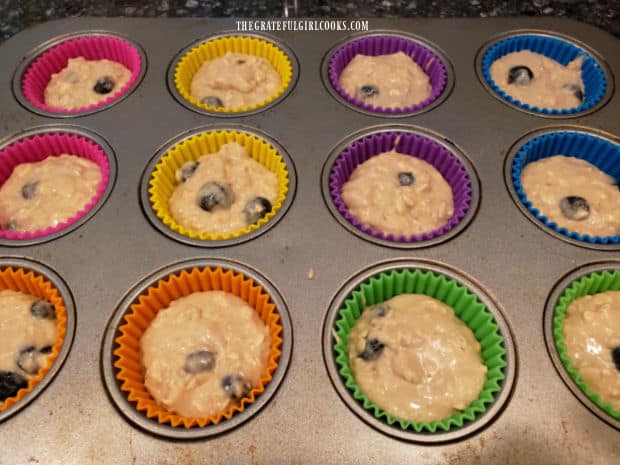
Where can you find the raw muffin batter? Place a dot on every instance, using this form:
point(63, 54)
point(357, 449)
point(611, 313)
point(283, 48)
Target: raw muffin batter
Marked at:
point(415, 359)
point(592, 338)
point(539, 81)
point(27, 334)
point(387, 81)
point(223, 192)
point(574, 194)
point(203, 352)
point(45, 193)
point(235, 80)
point(398, 194)
point(85, 82)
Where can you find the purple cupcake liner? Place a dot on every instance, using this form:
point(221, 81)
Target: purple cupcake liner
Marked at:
point(428, 150)
point(386, 44)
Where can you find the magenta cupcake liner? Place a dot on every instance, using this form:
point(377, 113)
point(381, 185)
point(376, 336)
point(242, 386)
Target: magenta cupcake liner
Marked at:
point(450, 167)
point(432, 64)
point(40, 146)
point(92, 47)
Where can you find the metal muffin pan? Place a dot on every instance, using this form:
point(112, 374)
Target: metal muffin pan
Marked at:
point(309, 257)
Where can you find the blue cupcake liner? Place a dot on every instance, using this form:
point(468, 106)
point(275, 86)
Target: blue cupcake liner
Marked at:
point(560, 50)
point(600, 152)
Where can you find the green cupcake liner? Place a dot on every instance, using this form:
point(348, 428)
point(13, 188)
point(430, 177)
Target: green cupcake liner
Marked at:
point(590, 284)
point(466, 306)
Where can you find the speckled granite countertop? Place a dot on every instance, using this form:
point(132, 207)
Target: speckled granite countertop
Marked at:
point(16, 15)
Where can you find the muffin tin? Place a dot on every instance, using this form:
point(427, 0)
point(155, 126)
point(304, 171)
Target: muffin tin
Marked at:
point(308, 257)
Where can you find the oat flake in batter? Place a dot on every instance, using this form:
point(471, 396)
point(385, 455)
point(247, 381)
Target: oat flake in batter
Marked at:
point(204, 352)
point(386, 81)
point(398, 194)
point(27, 333)
point(45, 193)
point(223, 192)
point(235, 80)
point(415, 359)
point(592, 338)
point(539, 81)
point(574, 194)
point(85, 82)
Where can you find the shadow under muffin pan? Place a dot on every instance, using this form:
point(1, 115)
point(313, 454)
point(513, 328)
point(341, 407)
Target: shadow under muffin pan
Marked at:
point(433, 61)
point(274, 50)
point(423, 144)
point(37, 279)
point(215, 135)
point(588, 279)
point(596, 147)
point(188, 280)
point(37, 144)
point(596, 75)
point(35, 71)
point(472, 305)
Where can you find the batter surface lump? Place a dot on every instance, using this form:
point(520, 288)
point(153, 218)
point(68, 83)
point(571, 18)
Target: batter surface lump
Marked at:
point(204, 352)
point(415, 359)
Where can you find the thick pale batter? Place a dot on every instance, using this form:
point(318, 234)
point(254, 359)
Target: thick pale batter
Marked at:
point(43, 194)
point(387, 81)
point(203, 352)
point(85, 82)
point(574, 194)
point(415, 359)
point(223, 192)
point(398, 194)
point(539, 81)
point(27, 334)
point(235, 80)
point(592, 338)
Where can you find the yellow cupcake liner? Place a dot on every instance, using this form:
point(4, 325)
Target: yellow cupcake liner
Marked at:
point(29, 282)
point(163, 181)
point(130, 371)
point(191, 62)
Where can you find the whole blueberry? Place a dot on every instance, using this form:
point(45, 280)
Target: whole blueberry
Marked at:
point(576, 90)
point(46, 350)
point(199, 362)
point(256, 209)
point(575, 208)
point(367, 91)
point(520, 75)
point(212, 101)
point(380, 310)
point(10, 384)
point(236, 386)
point(10, 225)
point(27, 360)
point(186, 171)
point(43, 310)
point(615, 356)
point(214, 195)
point(372, 350)
point(104, 85)
point(406, 178)
point(29, 189)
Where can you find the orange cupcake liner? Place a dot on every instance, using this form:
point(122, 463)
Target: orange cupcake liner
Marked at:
point(29, 282)
point(130, 372)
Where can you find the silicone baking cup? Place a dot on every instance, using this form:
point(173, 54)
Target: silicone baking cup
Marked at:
point(429, 60)
point(416, 145)
point(590, 284)
point(29, 282)
point(162, 180)
point(191, 61)
point(600, 152)
point(559, 49)
point(50, 143)
point(126, 353)
point(466, 306)
point(95, 46)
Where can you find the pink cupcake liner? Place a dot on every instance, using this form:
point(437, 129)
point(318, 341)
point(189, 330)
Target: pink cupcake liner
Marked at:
point(92, 47)
point(387, 44)
point(450, 167)
point(40, 146)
